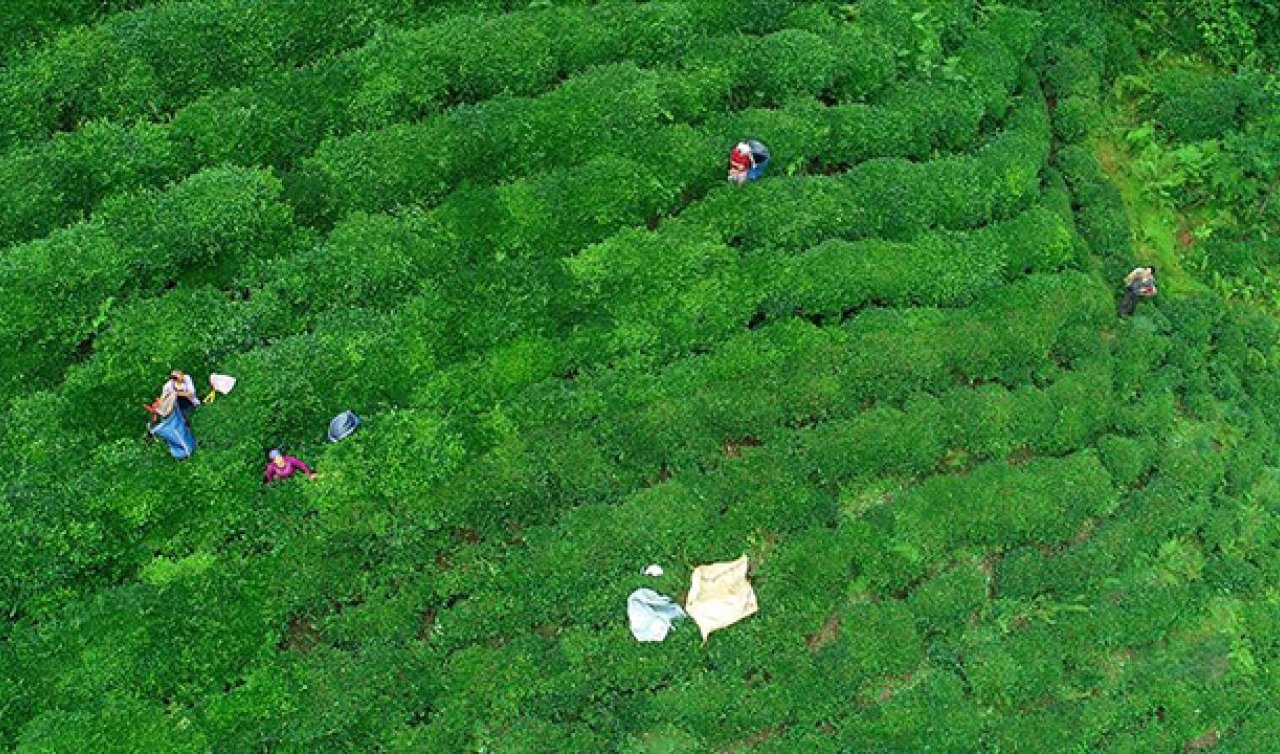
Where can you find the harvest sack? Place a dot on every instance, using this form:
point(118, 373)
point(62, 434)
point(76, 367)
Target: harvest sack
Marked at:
point(342, 425)
point(759, 159)
point(176, 434)
point(651, 614)
point(759, 152)
point(720, 595)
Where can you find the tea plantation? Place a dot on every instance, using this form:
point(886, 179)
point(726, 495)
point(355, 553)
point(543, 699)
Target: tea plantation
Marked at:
point(984, 513)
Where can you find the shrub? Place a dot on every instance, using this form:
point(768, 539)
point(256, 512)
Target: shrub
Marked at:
point(161, 56)
point(1075, 118)
point(63, 181)
point(788, 64)
point(1192, 106)
point(200, 230)
point(945, 603)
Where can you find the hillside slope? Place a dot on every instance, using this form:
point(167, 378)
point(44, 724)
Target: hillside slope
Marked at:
point(983, 513)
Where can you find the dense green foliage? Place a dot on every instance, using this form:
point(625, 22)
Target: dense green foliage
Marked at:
point(983, 513)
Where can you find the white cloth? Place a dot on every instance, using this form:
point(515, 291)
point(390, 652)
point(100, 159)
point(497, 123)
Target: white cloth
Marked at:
point(222, 383)
point(651, 614)
point(720, 595)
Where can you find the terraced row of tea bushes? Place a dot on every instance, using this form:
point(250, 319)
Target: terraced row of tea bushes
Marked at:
point(35, 21)
point(64, 180)
point(928, 435)
point(290, 412)
point(1080, 39)
point(669, 292)
point(420, 163)
point(147, 62)
point(670, 151)
point(60, 291)
point(417, 162)
point(957, 192)
point(300, 107)
point(395, 77)
point(807, 351)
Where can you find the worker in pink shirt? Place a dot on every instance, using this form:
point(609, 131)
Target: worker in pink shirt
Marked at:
point(281, 466)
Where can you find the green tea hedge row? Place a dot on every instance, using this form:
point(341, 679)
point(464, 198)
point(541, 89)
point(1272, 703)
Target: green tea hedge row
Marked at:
point(896, 199)
point(666, 292)
point(152, 60)
point(1100, 216)
point(60, 290)
point(66, 179)
point(406, 75)
point(31, 22)
point(786, 374)
point(939, 269)
point(291, 412)
point(416, 162)
point(1076, 40)
point(588, 116)
point(1190, 105)
point(986, 422)
point(997, 505)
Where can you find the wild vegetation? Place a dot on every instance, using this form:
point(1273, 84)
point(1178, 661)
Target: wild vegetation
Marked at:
point(984, 513)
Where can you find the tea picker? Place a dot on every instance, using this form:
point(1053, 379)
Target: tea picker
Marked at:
point(281, 466)
point(1138, 284)
point(747, 161)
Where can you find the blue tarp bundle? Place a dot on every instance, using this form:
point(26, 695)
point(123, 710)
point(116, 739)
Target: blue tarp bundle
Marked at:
point(759, 159)
point(175, 432)
point(343, 425)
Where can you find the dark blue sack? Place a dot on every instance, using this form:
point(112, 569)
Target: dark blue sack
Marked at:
point(175, 432)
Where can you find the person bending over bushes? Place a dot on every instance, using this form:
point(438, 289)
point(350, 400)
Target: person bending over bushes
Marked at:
point(281, 466)
point(181, 390)
point(1140, 283)
point(747, 161)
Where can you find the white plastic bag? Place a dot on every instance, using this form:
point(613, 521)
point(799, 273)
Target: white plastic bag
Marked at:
point(651, 614)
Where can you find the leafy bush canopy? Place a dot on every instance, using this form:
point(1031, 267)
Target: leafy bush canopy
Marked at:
point(983, 513)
